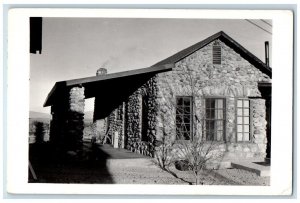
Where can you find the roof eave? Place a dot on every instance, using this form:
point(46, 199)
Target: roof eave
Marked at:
point(82, 81)
point(152, 69)
point(57, 86)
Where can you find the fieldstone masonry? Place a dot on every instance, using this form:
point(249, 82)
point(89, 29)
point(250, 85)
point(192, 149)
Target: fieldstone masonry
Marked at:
point(234, 78)
point(133, 119)
point(259, 125)
point(75, 118)
point(196, 75)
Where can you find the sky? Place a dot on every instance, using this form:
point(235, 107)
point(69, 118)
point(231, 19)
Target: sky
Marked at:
point(76, 47)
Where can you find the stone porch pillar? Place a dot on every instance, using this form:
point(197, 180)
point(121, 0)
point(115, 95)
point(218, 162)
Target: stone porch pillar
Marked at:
point(75, 116)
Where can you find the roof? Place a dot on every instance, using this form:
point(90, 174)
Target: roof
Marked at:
point(59, 86)
point(228, 41)
point(162, 66)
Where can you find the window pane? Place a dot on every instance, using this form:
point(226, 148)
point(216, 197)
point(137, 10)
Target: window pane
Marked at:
point(240, 112)
point(219, 125)
point(186, 135)
point(210, 103)
point(219, 103)
point(240, 103)
point(240, 137)
point(246, 137)
point(179, 110)
point(211, 114)
point(240, 128)
point(246, 112)
point(186, 101)
point(246, 128)
point(178, 119)
point(187, 110)
point(246, 103)
point(246, 120)
point(211, 126)
point(239, 120)
point(209, 135)
point(215, 114)
point(179, 101)
point(187, 128)
point(207, 103)
point(219, 114)
point(187, 119)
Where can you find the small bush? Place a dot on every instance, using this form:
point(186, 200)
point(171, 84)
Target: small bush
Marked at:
point(182, 165)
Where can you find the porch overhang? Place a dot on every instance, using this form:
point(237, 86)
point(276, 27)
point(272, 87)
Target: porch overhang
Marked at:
point(121, 84)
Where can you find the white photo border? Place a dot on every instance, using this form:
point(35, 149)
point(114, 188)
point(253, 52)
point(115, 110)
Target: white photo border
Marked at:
point(18, 109)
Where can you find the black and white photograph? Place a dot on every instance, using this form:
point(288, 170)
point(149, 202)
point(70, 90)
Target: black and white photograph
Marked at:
point(150, 101)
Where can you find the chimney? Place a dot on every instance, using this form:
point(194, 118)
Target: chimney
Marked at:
point(101, 71)
point(267, 53)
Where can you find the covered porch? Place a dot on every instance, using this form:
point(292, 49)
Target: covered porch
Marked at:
point(67, 101)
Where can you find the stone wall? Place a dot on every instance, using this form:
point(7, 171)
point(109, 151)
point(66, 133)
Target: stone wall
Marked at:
point(133, 125)
point(147, 94)
point(116, 125)
point(259, 125)
point(196, 75)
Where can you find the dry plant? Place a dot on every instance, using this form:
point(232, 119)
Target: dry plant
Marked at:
point(198, 149)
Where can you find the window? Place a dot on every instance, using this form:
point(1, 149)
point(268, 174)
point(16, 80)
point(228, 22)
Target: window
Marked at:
point(216, 53)
point(214, 119)
point(243, 120)
point(183, 118)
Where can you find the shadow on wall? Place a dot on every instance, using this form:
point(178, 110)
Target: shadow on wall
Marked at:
point(52, 165)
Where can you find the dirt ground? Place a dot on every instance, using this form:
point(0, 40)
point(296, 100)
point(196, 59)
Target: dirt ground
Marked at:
point(154, 175)
point(49, 169)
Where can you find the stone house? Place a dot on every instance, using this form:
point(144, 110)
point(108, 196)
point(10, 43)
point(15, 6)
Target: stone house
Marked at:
point(216, 82)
